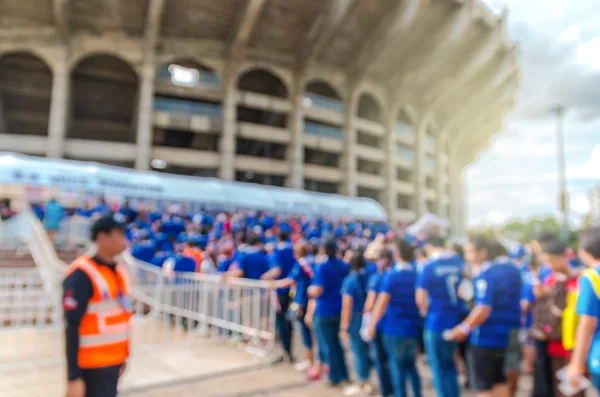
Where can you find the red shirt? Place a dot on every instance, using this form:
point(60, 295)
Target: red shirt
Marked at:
point(555, 347)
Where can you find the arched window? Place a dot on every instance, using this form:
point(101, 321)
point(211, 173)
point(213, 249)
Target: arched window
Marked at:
point(368, 108)
point(104, 92)
point(25, 94)
point(262, 82)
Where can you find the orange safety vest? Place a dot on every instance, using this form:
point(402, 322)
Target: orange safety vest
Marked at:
point(104, 329)
point(195, 254)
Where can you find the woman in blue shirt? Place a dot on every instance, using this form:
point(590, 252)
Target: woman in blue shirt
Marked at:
point(396, 309)
point(300, 275)
point(354, 294)
point(325, 289)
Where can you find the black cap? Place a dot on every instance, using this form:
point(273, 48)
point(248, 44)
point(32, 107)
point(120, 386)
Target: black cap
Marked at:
point(106, 224)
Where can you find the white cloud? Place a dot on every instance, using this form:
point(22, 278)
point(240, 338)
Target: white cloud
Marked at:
point(588, 53)
point(571, 34)
point(579, 204)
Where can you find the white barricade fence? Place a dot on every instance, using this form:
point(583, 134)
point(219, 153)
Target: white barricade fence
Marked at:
point(74, 232)
point(169, 308)
point(190, 305)
point(31, 324)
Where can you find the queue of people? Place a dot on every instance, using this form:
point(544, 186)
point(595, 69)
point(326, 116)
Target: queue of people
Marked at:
point(392, 298)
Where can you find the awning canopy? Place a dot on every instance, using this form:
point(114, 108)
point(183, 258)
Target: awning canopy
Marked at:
point(93, 177)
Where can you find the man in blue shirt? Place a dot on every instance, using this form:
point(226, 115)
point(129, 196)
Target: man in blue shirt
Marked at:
point(438, 300)
point(254, 263)
point(383, 265)
point(397, 312)
point(281, 263)
point(587, 348)
point(495, 315)
point(325, 288)
point(52, 218)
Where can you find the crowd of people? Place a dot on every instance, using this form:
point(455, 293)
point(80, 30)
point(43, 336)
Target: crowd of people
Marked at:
point(474, 308)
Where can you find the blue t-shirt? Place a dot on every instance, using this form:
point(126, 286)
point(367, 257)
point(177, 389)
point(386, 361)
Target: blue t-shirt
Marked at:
point(498, 286)
point(329, 275)
point(527, 295)
point(355, 286)
point(254, 263)
point(143, 251)
point(283, 258)
point(545, 271)
point(440, 278)
point(375, 282)
point(402, 317)
point(301, 273)
point(224, 264)
point(588, 304)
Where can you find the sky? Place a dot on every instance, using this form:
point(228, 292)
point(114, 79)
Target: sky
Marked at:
point(559, 55)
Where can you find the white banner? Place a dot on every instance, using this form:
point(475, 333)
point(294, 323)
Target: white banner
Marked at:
point(82, 176)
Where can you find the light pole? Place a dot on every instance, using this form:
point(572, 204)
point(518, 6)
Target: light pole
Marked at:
point(559, 112)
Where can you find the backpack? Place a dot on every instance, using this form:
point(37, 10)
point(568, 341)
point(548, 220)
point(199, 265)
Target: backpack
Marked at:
point(570, 318)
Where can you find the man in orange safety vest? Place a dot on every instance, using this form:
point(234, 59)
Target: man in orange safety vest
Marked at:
point(97, 309)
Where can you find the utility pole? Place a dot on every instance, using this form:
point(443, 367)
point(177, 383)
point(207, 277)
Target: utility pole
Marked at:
point(563, 200)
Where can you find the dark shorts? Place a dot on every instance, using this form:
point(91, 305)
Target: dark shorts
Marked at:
point(512, 359)
point(486, 367)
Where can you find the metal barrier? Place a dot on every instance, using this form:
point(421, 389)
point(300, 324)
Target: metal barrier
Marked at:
point(202, 306)
point(74, 232)
point(170, 309)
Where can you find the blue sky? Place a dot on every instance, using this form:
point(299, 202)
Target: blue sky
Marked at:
point(559, 51)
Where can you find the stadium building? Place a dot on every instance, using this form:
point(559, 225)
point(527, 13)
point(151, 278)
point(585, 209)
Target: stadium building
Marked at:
point(387, 99)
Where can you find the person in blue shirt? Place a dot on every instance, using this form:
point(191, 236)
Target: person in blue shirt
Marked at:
point(282, 261)
point(396, 309)
point(587, 348)
point(301, 275)
point(325, 289)
point(495, 315)
point(53, 216)
point(254, 263)
point(380, 358)
point(438, 300)
point(543, 377)
point(354, 294)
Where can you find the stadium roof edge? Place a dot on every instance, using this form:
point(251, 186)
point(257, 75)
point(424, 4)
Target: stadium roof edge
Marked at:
point(99, 178)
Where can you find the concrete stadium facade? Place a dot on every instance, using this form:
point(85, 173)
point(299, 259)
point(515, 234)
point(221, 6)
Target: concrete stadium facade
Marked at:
point(388, 99)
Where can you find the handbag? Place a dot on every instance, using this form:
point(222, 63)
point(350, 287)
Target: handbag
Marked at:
point(295, 312)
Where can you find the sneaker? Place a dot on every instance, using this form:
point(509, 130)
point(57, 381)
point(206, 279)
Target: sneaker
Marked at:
point(352, 390)
point(302, 366)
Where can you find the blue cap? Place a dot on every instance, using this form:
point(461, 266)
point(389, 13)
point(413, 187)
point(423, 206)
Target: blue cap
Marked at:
point(285, 228)
point(517, 253)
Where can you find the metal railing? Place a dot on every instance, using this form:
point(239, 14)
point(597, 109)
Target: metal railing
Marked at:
point(323, 130)
point(188, 108)
point(74, 232)
point(405, 130)
point(318, 101)
point(170, 308)
point(405, 153)
point(201, 305)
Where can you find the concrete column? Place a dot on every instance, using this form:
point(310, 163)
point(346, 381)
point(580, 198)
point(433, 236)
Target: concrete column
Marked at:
point(228, 132)
point(420, 202)
point(295, 153)
point(3, 128)
point(441, 175)
point(143, 151)
point(457, 198)
point(59, 108)
point(349, 163)
point(389, 146)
